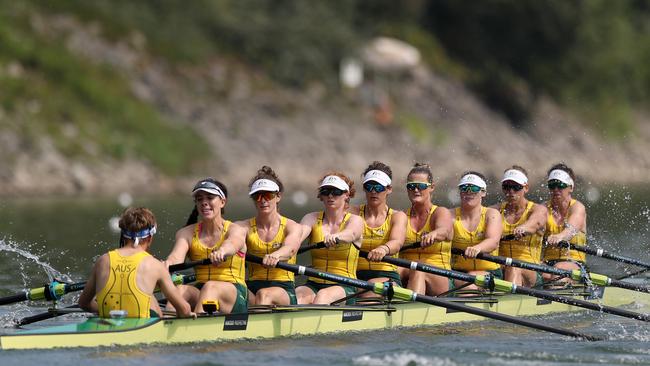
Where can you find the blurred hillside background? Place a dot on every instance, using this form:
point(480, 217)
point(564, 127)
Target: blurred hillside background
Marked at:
point(106, 96)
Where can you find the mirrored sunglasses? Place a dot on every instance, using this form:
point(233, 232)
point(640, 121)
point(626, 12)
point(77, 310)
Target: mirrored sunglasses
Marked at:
point(556, 184)
point(263, 195)
point(421, 186)
point(469, 188)
point(370, 186)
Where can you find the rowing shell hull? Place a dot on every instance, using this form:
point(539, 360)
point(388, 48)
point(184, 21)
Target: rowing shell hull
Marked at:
point(291, 321)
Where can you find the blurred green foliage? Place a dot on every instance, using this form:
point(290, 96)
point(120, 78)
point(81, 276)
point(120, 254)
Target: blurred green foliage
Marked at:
point(87, 110)
point(589, 55)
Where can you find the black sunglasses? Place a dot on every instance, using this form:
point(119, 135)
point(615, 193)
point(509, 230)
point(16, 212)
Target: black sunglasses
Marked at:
point(326, 191)
point(512, 186)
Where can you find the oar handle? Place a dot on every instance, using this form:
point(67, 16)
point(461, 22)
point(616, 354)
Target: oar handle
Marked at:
point(182, 266)
point(415, 245)
point(319, 245)
point(604, 254)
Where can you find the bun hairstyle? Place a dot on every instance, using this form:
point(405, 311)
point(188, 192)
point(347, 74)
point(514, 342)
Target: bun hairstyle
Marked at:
point(345, 178)
point(378, 165)
point(194, 215)
point(135, 219)
point(266, 172)
point(562, 166)
point(422, 168)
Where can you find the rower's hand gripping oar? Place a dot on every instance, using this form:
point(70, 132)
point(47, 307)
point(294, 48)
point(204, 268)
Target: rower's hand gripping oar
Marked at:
point(577, 275)
point(488, 281)
point(408, 295)
point(604, 254)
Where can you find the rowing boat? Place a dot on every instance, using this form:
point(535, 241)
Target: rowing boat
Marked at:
point(282, 321)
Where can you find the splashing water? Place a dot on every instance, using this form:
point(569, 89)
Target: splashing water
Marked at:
point(51, 272)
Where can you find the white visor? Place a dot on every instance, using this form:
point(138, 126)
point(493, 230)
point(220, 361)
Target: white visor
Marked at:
point(560, 175)
point(377, 176)
point(264, 185)
point(472, 179)
point(336, 182)
point(209, 187)
point(515, 176)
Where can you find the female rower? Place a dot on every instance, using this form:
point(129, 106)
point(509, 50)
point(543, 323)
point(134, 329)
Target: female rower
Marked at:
point(340, 231)
point(383, 228)
point(274, 238)
point(477, 229)
point(566, 221)
point(430, 225)
point(218, 239)
point(523, 227)
point(124, 279)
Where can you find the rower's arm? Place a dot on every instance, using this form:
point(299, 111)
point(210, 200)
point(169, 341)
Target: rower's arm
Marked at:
point(442, 223)
point(181, 246)
point(493, 232)
point(234, 242)
point(352, 231)
point(536, 221)
point(171, 292)
point(397, 232)
point(306, 224)
point(87, 298)
point(293, 232)
point(575, 223)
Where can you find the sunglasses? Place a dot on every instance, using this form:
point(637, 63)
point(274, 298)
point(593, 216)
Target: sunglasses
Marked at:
point(327, 191)
point(369, 187)
point(421, 186)
point(263, 195)
point(556, 184)
point(512, 187)
point(469, 188)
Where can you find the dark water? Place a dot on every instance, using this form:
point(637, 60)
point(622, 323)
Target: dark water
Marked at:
point(67, 235)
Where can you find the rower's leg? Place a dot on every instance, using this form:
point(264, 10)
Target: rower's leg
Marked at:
point(224, 292)
point(404, 274)
point(329, 294)
point(417, 281)
point(435, 285)
point(514, 275)
point(305, 295)
point(272, 296)
point(570, 266)
point(189, 293)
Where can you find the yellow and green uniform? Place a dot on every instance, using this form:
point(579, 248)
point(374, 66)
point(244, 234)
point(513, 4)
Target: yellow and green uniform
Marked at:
point(372, 238)
point(464, 238)
point(437, 255)
point(529, 247)
point(563, 254)
point(259, 276)
point(121, 291)
point(231, 270)
point(260, 248)
point(340, 260)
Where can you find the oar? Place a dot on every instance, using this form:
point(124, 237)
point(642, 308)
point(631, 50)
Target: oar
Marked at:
point(415, 245)
point(576, 274)
point(178, 279)
point(505, 286)
point(604, 254)
point(307, 248)
point(53, 291)
point(408, 295)
point(56, 289)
